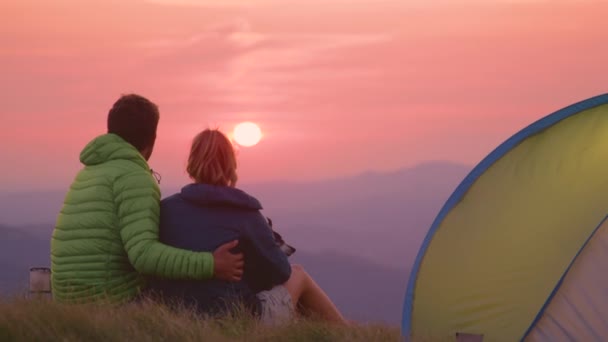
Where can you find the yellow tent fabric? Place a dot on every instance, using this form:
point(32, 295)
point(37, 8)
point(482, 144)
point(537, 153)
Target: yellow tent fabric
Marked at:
point(507, 236)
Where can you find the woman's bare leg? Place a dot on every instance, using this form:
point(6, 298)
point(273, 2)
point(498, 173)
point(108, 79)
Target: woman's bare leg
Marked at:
point(306, 293)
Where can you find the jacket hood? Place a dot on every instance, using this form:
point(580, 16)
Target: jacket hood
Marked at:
point(205, 194)
point(110, 147)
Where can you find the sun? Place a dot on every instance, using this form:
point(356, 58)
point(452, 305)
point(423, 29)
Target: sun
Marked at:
point(247, 134)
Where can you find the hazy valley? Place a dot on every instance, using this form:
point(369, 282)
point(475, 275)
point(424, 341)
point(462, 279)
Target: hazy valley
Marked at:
point(357, 236)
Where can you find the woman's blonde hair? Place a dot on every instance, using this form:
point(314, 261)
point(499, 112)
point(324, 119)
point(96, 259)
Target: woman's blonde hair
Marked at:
point(212, 159)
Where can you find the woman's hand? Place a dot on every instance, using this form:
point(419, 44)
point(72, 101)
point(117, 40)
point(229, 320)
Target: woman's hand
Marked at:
point(227, 265)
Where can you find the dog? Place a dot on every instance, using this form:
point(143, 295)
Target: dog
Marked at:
point(278, 239)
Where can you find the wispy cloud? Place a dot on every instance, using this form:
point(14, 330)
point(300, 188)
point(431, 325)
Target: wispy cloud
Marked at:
point(338, 88)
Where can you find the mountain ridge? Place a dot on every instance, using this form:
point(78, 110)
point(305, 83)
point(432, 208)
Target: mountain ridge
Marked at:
point(358, 236)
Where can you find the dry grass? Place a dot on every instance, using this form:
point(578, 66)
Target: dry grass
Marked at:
point(40, 320)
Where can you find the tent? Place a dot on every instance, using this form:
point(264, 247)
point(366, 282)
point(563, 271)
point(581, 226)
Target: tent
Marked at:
point(520, 249)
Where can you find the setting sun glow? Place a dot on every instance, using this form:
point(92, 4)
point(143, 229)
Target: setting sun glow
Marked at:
point(247, 134)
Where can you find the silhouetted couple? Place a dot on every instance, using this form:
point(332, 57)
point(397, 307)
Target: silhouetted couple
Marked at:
point(207, 247)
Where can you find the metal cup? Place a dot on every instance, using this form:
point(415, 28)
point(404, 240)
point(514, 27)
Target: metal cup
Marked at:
point(40, 282)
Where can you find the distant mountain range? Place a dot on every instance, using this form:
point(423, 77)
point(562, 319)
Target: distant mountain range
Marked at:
point(364, 291)
point(379, 217)
point(357, 236)
point(20, 249)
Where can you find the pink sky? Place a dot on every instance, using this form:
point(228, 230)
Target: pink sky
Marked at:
point(339, 87)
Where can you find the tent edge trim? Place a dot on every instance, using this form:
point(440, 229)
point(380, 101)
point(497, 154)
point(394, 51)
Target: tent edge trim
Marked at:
point(471, 178)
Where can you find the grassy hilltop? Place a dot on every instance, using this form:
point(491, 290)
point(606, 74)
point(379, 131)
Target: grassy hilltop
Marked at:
point(36, 320)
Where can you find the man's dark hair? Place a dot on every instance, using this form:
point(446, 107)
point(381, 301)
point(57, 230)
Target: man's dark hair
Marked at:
point(135, 119)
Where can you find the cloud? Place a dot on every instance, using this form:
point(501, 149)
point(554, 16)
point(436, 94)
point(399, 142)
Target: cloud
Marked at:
point(246, 69)
point(335, 87)
point(212, 3)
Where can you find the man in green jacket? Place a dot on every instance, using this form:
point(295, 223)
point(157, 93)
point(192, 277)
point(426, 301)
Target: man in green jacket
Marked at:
point(106, 236)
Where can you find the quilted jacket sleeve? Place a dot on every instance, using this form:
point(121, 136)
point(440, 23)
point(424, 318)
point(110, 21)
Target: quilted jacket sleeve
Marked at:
point(137, 200)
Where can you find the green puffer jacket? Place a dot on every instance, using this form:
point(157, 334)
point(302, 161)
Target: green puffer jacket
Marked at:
point(106, 236)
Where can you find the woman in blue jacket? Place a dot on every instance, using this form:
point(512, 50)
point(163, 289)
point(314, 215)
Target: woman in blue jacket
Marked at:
point(211, 212)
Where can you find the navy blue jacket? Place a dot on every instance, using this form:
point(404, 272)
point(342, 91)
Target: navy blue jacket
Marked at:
point(201, 218)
